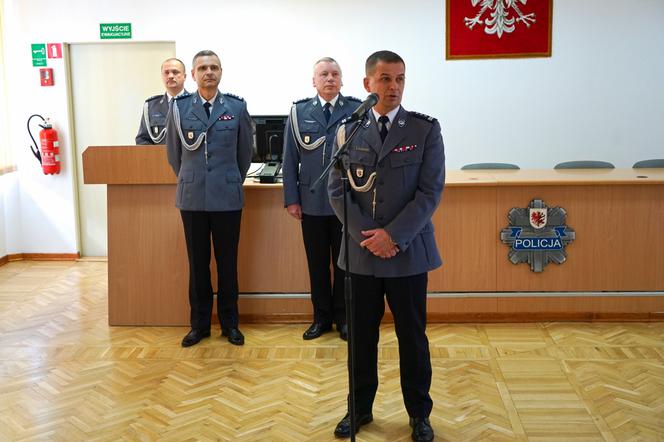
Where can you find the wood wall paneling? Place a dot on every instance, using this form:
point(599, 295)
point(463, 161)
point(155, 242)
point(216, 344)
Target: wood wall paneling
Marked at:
point(617, 245)
point(466, 235)
point(617, 218)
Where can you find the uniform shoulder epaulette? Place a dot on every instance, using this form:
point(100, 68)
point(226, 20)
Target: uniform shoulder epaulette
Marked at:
point(421, 116)
point(351, 98)
point(154, 97)
point(237, 97)
point(301, 100)
point(185, 95)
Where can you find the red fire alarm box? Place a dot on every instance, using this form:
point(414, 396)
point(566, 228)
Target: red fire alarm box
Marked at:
point(46, 76)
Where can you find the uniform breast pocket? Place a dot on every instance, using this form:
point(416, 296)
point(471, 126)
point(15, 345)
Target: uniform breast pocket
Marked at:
point(224, 133)
point(309, 128)
point(192, 129)
point(225, 125)
point(158, 120)
point(405, 166)
point(406, 158)
point(362, 164)
point(157, 124)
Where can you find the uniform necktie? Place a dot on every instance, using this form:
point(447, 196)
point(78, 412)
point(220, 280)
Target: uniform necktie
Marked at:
point(207, 105)
point(327, 112)
point(383, 120)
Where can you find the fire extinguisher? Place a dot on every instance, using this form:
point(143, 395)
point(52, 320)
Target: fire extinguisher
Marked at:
point(49, 158)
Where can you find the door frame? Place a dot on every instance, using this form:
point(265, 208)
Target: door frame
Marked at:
point(71, 156)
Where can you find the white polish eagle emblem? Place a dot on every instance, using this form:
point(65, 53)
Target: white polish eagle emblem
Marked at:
point(500, 19)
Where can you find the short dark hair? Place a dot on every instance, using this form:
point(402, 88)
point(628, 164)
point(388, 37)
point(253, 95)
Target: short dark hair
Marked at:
point(204, 53)
point(384, 56)
point(173, 59)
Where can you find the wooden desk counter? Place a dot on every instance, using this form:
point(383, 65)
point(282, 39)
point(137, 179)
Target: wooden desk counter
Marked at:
point(616, 215)
point(544, 177)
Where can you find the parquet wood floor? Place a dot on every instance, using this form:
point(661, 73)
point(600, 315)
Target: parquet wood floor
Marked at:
point(65, 375)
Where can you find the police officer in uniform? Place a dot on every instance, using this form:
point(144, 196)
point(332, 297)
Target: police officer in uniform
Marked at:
point(309, 134)
point(153, 120)
point(209, 145)
point(396, 170)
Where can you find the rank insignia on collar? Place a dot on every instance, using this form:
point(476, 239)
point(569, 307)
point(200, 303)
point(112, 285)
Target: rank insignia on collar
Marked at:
point(359, 171)
point(404, 148)
point(401, 122)
point(307, 138)
point(368, 123)
point(226, 117)
point(190, 135)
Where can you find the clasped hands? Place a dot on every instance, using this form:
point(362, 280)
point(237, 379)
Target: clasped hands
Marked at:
point(379, 243)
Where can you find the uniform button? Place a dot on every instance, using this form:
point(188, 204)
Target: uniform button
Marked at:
point(209, 169)
point(382, 183)
point(380, 217)
point(381, 164)
point(380, 200)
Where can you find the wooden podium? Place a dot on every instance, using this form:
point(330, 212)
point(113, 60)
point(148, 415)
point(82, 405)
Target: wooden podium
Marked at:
point(147, 266)
point(617, 215)
point(147, 256)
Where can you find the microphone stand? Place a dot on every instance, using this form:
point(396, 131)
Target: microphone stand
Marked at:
point(337, 159)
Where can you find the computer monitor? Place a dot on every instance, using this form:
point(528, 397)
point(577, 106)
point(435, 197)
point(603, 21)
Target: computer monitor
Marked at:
point(268, 137)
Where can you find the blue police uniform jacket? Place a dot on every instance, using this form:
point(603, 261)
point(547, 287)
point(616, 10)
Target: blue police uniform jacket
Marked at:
point(157, 111)
point(406, 190)
point(210, 177)
point(301, 167)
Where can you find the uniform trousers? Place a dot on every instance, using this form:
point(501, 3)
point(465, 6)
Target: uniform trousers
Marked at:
point(322, 241)
point(406, 297)
point(225, 230)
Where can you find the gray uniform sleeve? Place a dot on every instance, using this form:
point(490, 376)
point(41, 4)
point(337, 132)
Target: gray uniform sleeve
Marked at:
point(143, 137)
point(173, 143)
point(290, 167)
point(245, 142)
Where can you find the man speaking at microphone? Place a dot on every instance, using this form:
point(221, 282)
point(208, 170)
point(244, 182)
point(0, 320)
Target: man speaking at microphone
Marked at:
point(396, 171)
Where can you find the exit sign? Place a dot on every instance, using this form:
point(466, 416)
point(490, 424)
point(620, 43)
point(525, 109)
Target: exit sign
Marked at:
point(38, 54)
point(114, 30)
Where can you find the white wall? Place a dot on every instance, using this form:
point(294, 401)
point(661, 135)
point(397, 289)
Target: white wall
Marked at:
point(598, 97)
point(9, 209)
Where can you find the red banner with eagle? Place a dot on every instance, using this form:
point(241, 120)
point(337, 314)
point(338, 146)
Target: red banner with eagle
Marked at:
point(498, 28)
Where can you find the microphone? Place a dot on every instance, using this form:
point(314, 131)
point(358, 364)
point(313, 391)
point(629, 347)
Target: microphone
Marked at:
point(363, 108)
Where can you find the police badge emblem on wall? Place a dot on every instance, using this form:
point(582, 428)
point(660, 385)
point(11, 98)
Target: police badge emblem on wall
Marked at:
point(537, 235)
